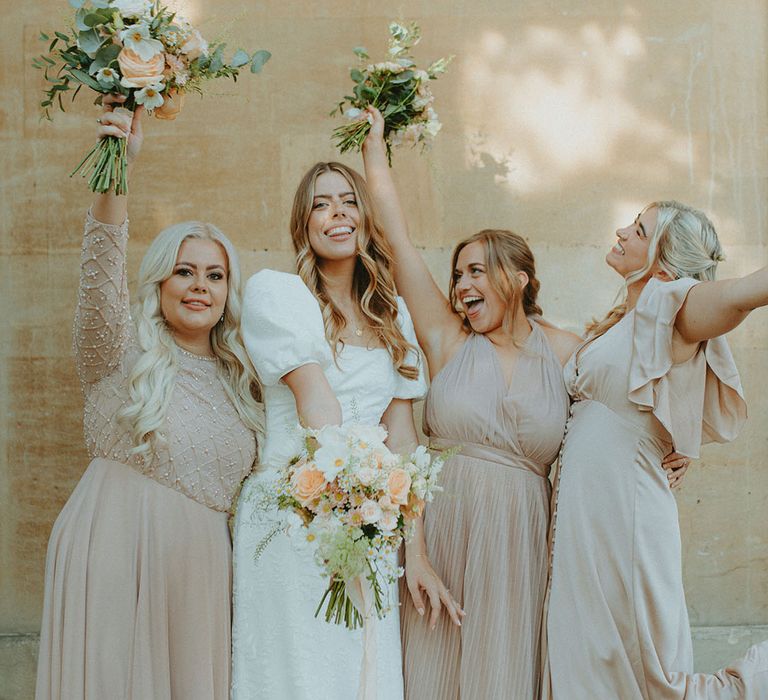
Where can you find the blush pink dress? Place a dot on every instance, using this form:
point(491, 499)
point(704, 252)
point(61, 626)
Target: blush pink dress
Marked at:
point(486, 533)
point(138, 573)
point(617, 625)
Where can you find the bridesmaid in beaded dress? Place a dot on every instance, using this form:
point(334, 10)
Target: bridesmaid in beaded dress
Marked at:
point(498, 393)
point(656, 371)
point(138, 573)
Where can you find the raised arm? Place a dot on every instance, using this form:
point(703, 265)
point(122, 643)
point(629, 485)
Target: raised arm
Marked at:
point(102, 318)
point(437, 327)
point(714, 308)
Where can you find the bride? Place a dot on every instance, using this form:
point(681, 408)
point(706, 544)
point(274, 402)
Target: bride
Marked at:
point(331, 344)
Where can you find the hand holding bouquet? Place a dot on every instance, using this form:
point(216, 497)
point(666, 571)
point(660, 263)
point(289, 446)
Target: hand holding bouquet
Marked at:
point(138, 49)
point(357, 500)
point(398, 89)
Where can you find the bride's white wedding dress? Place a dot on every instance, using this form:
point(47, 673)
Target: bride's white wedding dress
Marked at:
point(281, 651)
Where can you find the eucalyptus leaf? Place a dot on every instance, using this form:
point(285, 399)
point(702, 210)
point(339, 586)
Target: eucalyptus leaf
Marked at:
point(217, 63)
point(80, 20)
point(90, 42)
point(403, 77)
point(361, 51)
point(100, 4)
point(239, 59)
point(259, 59)
point(44, 36)
point(104, 56)
point(85, 79)
point(77, 4)
point(357, 75)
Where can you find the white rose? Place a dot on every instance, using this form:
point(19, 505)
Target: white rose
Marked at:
point(366, 475)
point(370, 511)
point(433, 127)
point(195, 46)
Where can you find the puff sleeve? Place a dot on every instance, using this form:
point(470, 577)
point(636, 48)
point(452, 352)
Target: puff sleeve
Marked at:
point(282, 326)
point(410, 388)
point(697, 401)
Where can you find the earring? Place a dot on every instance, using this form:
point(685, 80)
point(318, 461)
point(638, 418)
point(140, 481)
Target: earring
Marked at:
point(222, 318)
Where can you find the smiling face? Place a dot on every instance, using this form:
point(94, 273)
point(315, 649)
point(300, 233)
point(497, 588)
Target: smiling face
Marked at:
point(334, 218)
point(630, 253)
point(483, 306)
point(193, 298)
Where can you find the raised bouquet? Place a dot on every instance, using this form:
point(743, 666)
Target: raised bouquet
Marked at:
point(357, 501)
point(398, 89)
point(137, 48)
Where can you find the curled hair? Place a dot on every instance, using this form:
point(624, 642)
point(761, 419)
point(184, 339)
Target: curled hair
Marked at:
point(151, 379)
point(505, 254)
point(373, 286)
point(683, 244)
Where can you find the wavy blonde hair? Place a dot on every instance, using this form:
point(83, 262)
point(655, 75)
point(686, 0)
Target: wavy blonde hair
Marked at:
point(151, 380)
point(683, 244)
point(373, 285)
point(505, 254)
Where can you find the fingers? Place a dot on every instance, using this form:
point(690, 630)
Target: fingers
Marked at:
point(112, 100)
point(114, 124)
point(451, 606)
point(418, 601)
point(434, 602)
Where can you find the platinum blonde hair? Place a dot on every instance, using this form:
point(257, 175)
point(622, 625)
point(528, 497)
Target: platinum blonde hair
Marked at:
point(683, 244)
point(151, 380)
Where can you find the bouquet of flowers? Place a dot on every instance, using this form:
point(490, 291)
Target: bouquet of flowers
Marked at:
point(357, 500)
point(398, 89)
point(137, 48)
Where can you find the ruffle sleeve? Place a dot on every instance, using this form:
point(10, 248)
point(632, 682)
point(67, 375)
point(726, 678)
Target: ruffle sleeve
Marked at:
point(410, 388)
point(697, 401)
point(282, 326)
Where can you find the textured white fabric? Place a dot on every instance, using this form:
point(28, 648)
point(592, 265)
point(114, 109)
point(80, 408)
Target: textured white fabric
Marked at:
point(280, 650)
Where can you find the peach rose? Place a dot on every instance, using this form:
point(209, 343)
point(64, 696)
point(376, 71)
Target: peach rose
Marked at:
point(398, 485)
point(388, 521)
point(307, 485)
point(138, 73)
point(171, 107)
point(414, 508)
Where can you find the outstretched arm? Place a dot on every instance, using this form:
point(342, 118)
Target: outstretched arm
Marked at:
point(714, 308)
point(437, 327)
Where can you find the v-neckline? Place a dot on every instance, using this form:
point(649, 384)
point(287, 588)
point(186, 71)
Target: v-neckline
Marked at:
point(508, 385)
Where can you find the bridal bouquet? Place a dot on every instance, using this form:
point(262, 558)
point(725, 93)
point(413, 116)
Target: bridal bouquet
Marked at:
point(357, 501)
point(137, 48)
point(398, 89)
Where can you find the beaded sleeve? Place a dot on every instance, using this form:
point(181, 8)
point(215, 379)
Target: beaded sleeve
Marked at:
point(102, 320)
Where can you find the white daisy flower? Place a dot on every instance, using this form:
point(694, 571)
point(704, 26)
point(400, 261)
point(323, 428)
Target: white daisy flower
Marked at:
point(138, 39)
point(150, 96)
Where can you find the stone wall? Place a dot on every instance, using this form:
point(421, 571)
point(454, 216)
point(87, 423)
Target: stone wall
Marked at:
point(562, 118)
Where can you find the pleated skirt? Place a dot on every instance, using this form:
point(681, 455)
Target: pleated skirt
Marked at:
point(487, 538)
point(137, 594)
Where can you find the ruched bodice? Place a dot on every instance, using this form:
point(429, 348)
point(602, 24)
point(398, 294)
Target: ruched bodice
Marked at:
point(470, 403)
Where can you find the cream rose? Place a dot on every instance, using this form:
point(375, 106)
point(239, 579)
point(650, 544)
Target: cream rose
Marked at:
point(139, 73)
point(307, 484)
point(366, 475)
point(398, 485)
point(370, 511)
point(388, 521)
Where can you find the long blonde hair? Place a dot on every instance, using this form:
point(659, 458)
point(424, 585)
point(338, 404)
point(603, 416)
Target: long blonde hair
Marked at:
point(150, 382)
point(373, 285)
point(505, 254)
point(683, 244)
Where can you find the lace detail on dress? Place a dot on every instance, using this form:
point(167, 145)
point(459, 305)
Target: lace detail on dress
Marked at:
point(204, 449)
point(102, 319)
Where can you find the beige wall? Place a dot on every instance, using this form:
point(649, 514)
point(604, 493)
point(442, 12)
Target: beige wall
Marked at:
point(561, 119)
